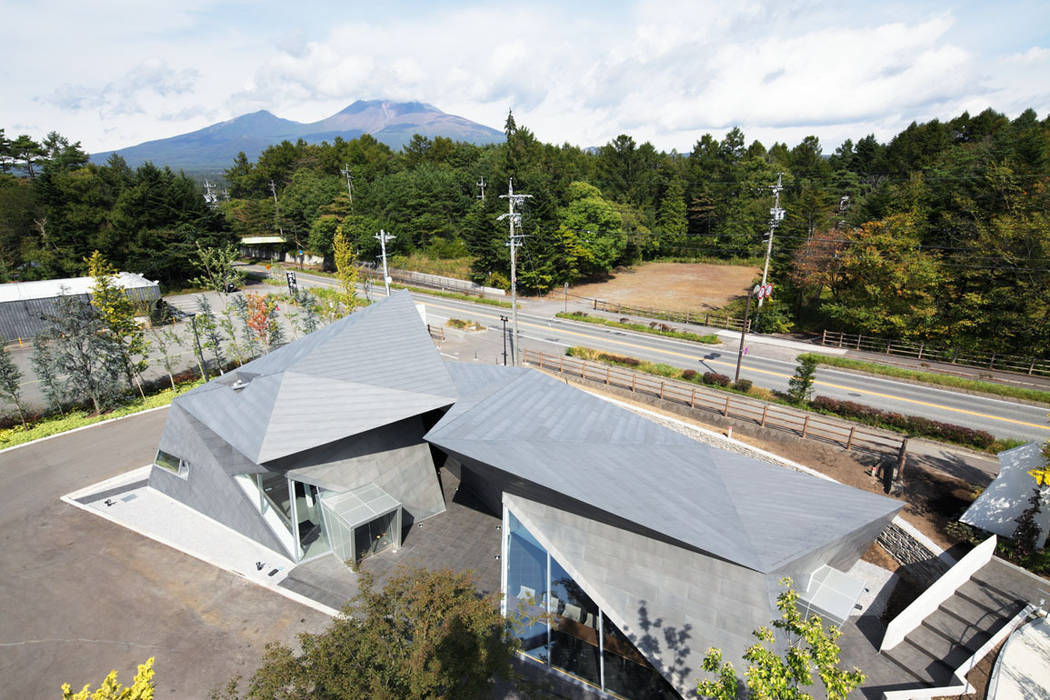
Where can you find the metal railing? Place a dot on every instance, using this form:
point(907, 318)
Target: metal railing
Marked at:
point(935, 353)
point(767, 415)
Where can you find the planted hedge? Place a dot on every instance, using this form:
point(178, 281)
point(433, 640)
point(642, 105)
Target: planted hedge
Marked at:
point(917, 425)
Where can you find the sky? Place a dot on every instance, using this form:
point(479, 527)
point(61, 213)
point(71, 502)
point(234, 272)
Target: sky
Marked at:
point(114, 73)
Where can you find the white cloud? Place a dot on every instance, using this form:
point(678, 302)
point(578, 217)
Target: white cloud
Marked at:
point(663, 71)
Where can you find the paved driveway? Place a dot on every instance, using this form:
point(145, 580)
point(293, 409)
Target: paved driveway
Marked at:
point(80, 596)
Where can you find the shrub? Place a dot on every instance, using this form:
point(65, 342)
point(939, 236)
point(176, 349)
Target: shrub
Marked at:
point(716, 379)
point(743, 385)
point(916, 425)
point(689, 375)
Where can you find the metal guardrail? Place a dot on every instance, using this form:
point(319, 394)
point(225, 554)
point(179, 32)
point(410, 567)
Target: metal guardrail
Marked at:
point(767, 415)
point(934, 353)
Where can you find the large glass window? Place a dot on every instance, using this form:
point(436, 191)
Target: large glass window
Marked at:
point(559, 624)
point(574, 627)
point(527, 589)
point(627, 673)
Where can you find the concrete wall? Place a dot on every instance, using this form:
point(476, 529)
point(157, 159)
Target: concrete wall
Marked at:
point(942, 589)
point(673, 604)
point(208, 487)
point(393, 457)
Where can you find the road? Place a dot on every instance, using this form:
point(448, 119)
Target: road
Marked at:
point(768, 363)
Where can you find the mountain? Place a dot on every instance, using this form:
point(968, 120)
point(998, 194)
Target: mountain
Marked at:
point(214, 147)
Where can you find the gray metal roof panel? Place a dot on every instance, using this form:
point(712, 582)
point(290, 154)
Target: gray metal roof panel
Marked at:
point(730, 505)
point(371, 368)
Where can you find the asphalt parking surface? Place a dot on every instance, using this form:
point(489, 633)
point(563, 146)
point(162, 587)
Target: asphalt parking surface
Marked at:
point(80, 596)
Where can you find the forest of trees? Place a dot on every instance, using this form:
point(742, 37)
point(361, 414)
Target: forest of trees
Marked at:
point(941, 234)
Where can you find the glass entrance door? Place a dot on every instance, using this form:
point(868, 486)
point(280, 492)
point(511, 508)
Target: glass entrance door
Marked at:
point(313, 537)
point(374, 536)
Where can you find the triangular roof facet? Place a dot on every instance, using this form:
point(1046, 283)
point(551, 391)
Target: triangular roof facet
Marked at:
point(374, 367)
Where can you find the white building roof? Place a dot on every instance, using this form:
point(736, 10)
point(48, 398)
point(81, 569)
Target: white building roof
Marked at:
point(45, 289)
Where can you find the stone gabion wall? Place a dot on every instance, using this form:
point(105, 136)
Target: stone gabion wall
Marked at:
point(918, 561)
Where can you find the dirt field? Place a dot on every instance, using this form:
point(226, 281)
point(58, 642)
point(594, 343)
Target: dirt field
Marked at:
point(672, 286)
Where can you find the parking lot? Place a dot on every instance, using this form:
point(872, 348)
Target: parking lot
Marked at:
point(80, 596)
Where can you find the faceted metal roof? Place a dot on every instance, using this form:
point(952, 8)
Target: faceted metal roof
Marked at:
point(734, 507)
point(372, 368)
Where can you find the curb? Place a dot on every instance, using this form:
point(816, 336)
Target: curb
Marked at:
point(70, 498)
point(85, 427)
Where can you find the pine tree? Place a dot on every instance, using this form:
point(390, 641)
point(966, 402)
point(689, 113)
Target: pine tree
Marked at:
point(800, 386)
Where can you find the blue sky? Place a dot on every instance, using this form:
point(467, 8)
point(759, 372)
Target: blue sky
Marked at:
point(113, 73)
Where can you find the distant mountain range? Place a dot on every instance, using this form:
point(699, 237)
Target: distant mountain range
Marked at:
point(214, 147)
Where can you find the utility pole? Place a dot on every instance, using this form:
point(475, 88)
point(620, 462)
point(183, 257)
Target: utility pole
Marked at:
point(209, 193)
point(481, 183)
point(383, 237)
point(743, 329)
point(514, 242)
point(776, 215)
point(276, 218)
point(349, 183)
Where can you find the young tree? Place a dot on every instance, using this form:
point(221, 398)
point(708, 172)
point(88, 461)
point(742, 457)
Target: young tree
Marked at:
point(1026, 536)
point(10, 383)
point(141, 687)
point(770, 676)
point(800, 386)
point(311, 319)
point(81, 350)
point(425, 635)
point(208, 327)
point(118, 317)
point(217, 272)
point(167, 341)
point(244, 313)
point(274, 331)
point(256, 318)
point(346, 270)
point(45, 367)
point(226, 323)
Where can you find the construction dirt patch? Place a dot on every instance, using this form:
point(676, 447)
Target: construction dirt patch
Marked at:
point(671, 286)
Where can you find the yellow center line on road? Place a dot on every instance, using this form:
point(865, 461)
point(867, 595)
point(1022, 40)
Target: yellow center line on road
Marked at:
point(770, 372)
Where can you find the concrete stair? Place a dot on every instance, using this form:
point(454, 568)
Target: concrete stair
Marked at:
point(954, 632)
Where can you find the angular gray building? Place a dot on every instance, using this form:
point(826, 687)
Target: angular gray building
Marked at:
point(636, 547)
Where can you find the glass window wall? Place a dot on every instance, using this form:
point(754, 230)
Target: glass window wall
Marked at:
point(559, 624)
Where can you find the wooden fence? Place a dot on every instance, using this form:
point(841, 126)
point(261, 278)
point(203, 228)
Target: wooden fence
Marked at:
point(715, 319)
point(767, 415)
point(935, 353)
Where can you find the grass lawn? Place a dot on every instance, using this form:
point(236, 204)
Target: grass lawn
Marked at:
point(935, 378)
point(54, 425)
